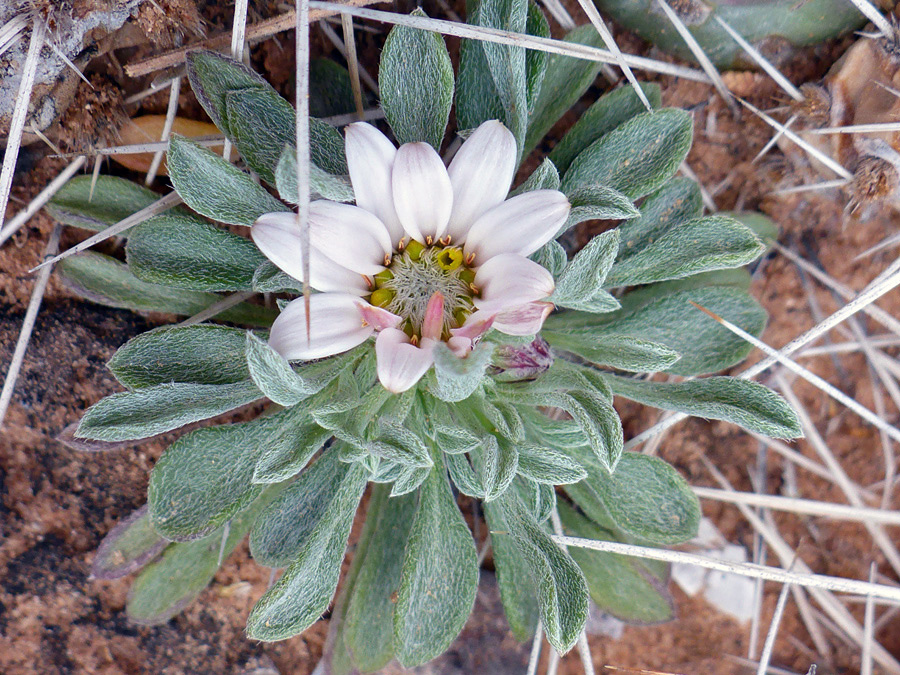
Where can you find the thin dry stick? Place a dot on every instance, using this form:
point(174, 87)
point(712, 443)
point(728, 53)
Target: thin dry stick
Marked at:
point(824, 185)
point(872, 14)
point(772, 141)
point(352, 62)
point(20, 112)
point(535, 655)
point(887, 242)
point(11, 32)
point(560, 13)
point(155, 208)
point(95, 176)
point(868, 630)
point(336, 40)
point(217, 308)
point(505, 37)
point(34, 305)
point(171, 111)
point(43, 197)
point(302, 49)
point(769, 644)
point(808, 507)
point(699, 54)
point(875, 128)
point(591, 10)
point(552, 662)
point(207, 141)
point(850, 346)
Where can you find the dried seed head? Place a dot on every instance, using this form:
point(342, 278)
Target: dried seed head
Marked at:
point(874, 180)
point(815, 108)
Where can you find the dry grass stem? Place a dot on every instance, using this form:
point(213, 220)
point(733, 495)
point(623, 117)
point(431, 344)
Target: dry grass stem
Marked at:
point(769, 644)
point(217, 308)
point(171, 111)
point(336, 40)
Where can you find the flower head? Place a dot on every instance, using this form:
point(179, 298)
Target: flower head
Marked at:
point(428, 254)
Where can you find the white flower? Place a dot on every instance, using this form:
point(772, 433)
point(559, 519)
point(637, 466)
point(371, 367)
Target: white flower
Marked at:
point(428, 254)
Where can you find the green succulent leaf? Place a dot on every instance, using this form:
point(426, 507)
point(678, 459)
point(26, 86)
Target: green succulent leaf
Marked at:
point(439, 576)
point(416, 81)
point(583, 277)
point(269, 279)
point(635, 158)
point(80, 203)
point(303, 593)
point(748, 404)
point(163, 407)
point(127, 547)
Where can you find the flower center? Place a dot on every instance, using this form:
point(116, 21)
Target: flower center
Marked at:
point(418, 272)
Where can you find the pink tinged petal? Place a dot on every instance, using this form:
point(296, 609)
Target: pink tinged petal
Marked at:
point(335, 325)
point(349, 235)
point(481, 173)
point(277, 235)
point(423, 195)
point(520, 225)
point(523, 320)
point(460, 346)
point(433, 322)
point(477, 324)
point(401, 364)
point(378, 317)
point(509, 280)
point(370, 159)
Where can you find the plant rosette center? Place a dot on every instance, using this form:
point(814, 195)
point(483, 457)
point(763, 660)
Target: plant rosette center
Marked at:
point(428, 254)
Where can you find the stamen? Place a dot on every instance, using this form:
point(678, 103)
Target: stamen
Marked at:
point(470, 259)
point(387, 259)
point(475, 290)
point(429, 240)
point(414, 340)
point(369, 283)
point(445, 241)
point(401, 244)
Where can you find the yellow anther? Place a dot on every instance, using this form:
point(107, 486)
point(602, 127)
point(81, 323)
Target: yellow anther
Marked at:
point(429, 240)
point(449, 259)
point(381, 297)
point(445, 241)
point(470, 259)
point(475, 290)
point(414, 340)
point(401, 244)
point(387, 259)
point(414, 249)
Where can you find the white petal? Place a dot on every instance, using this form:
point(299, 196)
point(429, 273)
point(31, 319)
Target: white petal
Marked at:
point(401, 364)
point(335, 325)
point(349, 235)
point(277, 235)
point(370, 158)
point(423, 195)
point(524, 319)
point(520, 225)
point(481, 173)
point(509, 280)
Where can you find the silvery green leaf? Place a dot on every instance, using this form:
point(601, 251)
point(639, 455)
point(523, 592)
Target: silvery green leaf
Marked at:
point(212, 75)
point(439, 576)
point(454, 440)
point(270, 279)
point(273, 375)
point(538, 498)
point(562, 591)
point(535, 61)
point(602, 302)
point(583, 277)
point(214, 187)
point(637, 157)
point(700, 245)
point(330, 90)
point(289, 448)
point(202, 354)
point(410, 478)
point(546, 465)
point(111, 200)
point(545, 177)
point(676, 202)
point(416, 81)
point(168, 585)
point(618, 351)
point(566, 79)
point(361, 623)
point(321, 183)
point(183, 251)
point(497, 462)
point(463, 476)
point(552, 257)
point(517, 590)
point(204, 477)
point(563, 376)
point(104, 280)
point(126, 548)
point(762, 226)
point(598, 202)
point(285, 526)
point(748, 404)
point(303, 593)
point(160, 408)
point(261, 123)
point(604, 115)
point(401, 445)
point(455, 379)
point(669, 318)
point(619, 585)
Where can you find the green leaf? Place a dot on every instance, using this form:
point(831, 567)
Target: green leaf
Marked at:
point(415, 77)
point(363, 620)
point(701, 245)
point(748, 404)
point(497, 464)
point(552, 257)
point(127, 547)
point(261, 123)
point(213, 75)
point(269, 279)
point(463, 476)
point(202, 354)
point(305, 590)
point(330, 91)
point(204, 478)
point(170, 584)
point(545, 177)
point(401, 445)
point(762, 226)
point(518, 592)
point(583, 277)
point(676, 202)
point(566, 79)
point(160, 408)
point(455, 440)
point(410, 478)
point(562, 591)
point(539, 499)
point(215, 188)
point(637, 157)
point(321, 183)
point(617, 351)
point(113, 200)
point(455, 379)
point(288, 449)
point(185, 252)
point(598, 202)
point(548, 466)
point(104, 280)
point(604, 115)
point(535, 61)
point(439, 577)
point(619, 585)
